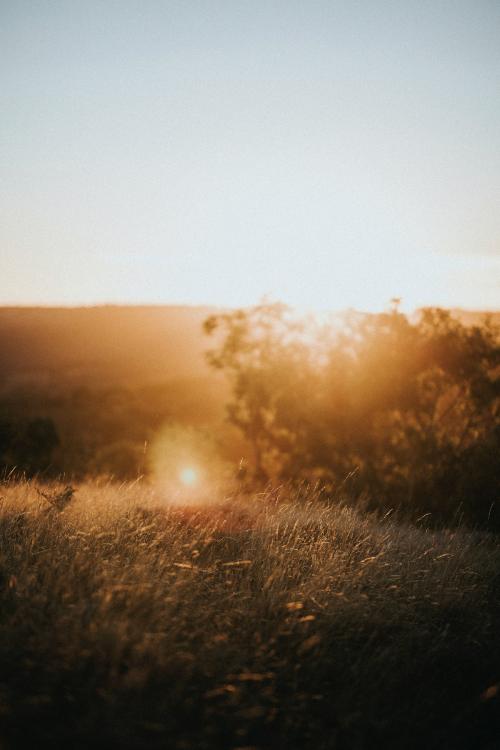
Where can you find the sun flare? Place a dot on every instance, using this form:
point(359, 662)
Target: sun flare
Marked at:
point(189, 476)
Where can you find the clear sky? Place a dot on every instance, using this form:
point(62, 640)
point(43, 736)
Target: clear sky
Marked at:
point(329, 154)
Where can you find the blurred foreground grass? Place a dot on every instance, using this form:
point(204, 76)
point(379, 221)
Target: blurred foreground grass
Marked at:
point(266, 622)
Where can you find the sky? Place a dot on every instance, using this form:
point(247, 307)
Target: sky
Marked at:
point(327, 154)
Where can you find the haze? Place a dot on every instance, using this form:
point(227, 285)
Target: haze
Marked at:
point(329, 154)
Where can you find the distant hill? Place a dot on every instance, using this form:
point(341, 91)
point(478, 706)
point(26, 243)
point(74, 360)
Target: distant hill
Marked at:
point(101, 345)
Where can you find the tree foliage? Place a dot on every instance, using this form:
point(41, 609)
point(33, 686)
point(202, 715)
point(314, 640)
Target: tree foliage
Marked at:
point(411, 407)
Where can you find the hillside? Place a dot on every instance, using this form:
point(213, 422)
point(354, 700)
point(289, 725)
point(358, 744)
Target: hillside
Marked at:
point(107, 378)
point(267, 622)
point(93, 345)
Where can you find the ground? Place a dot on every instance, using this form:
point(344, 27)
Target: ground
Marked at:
point(271, 621)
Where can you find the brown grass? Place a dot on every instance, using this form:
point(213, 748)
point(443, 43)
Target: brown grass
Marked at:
point(262, 622)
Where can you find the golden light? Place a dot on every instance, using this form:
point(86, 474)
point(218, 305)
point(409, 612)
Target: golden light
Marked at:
point(189, 476)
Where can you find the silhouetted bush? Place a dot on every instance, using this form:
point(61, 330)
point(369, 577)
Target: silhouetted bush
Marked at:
point(28, 446)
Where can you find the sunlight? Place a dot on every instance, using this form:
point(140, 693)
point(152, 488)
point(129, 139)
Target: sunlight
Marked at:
point(189, 476)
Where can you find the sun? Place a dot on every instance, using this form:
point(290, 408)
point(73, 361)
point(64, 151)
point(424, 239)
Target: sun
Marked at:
point(188, 476)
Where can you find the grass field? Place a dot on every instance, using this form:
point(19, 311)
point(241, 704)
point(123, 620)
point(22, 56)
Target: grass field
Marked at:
point(265, 622)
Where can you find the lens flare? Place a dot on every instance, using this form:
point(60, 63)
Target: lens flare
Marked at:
point(188, 476)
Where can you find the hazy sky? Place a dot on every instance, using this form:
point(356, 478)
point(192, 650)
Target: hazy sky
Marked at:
point(329, 154)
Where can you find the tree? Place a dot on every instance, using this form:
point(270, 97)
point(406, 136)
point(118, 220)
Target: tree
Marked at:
point(411, 406)
point(264, 352)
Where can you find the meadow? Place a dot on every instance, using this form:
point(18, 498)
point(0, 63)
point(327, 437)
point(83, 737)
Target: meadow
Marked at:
point(282, 619)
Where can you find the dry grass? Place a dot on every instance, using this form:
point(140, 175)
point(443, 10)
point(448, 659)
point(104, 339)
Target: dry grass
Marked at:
point(260, 623)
